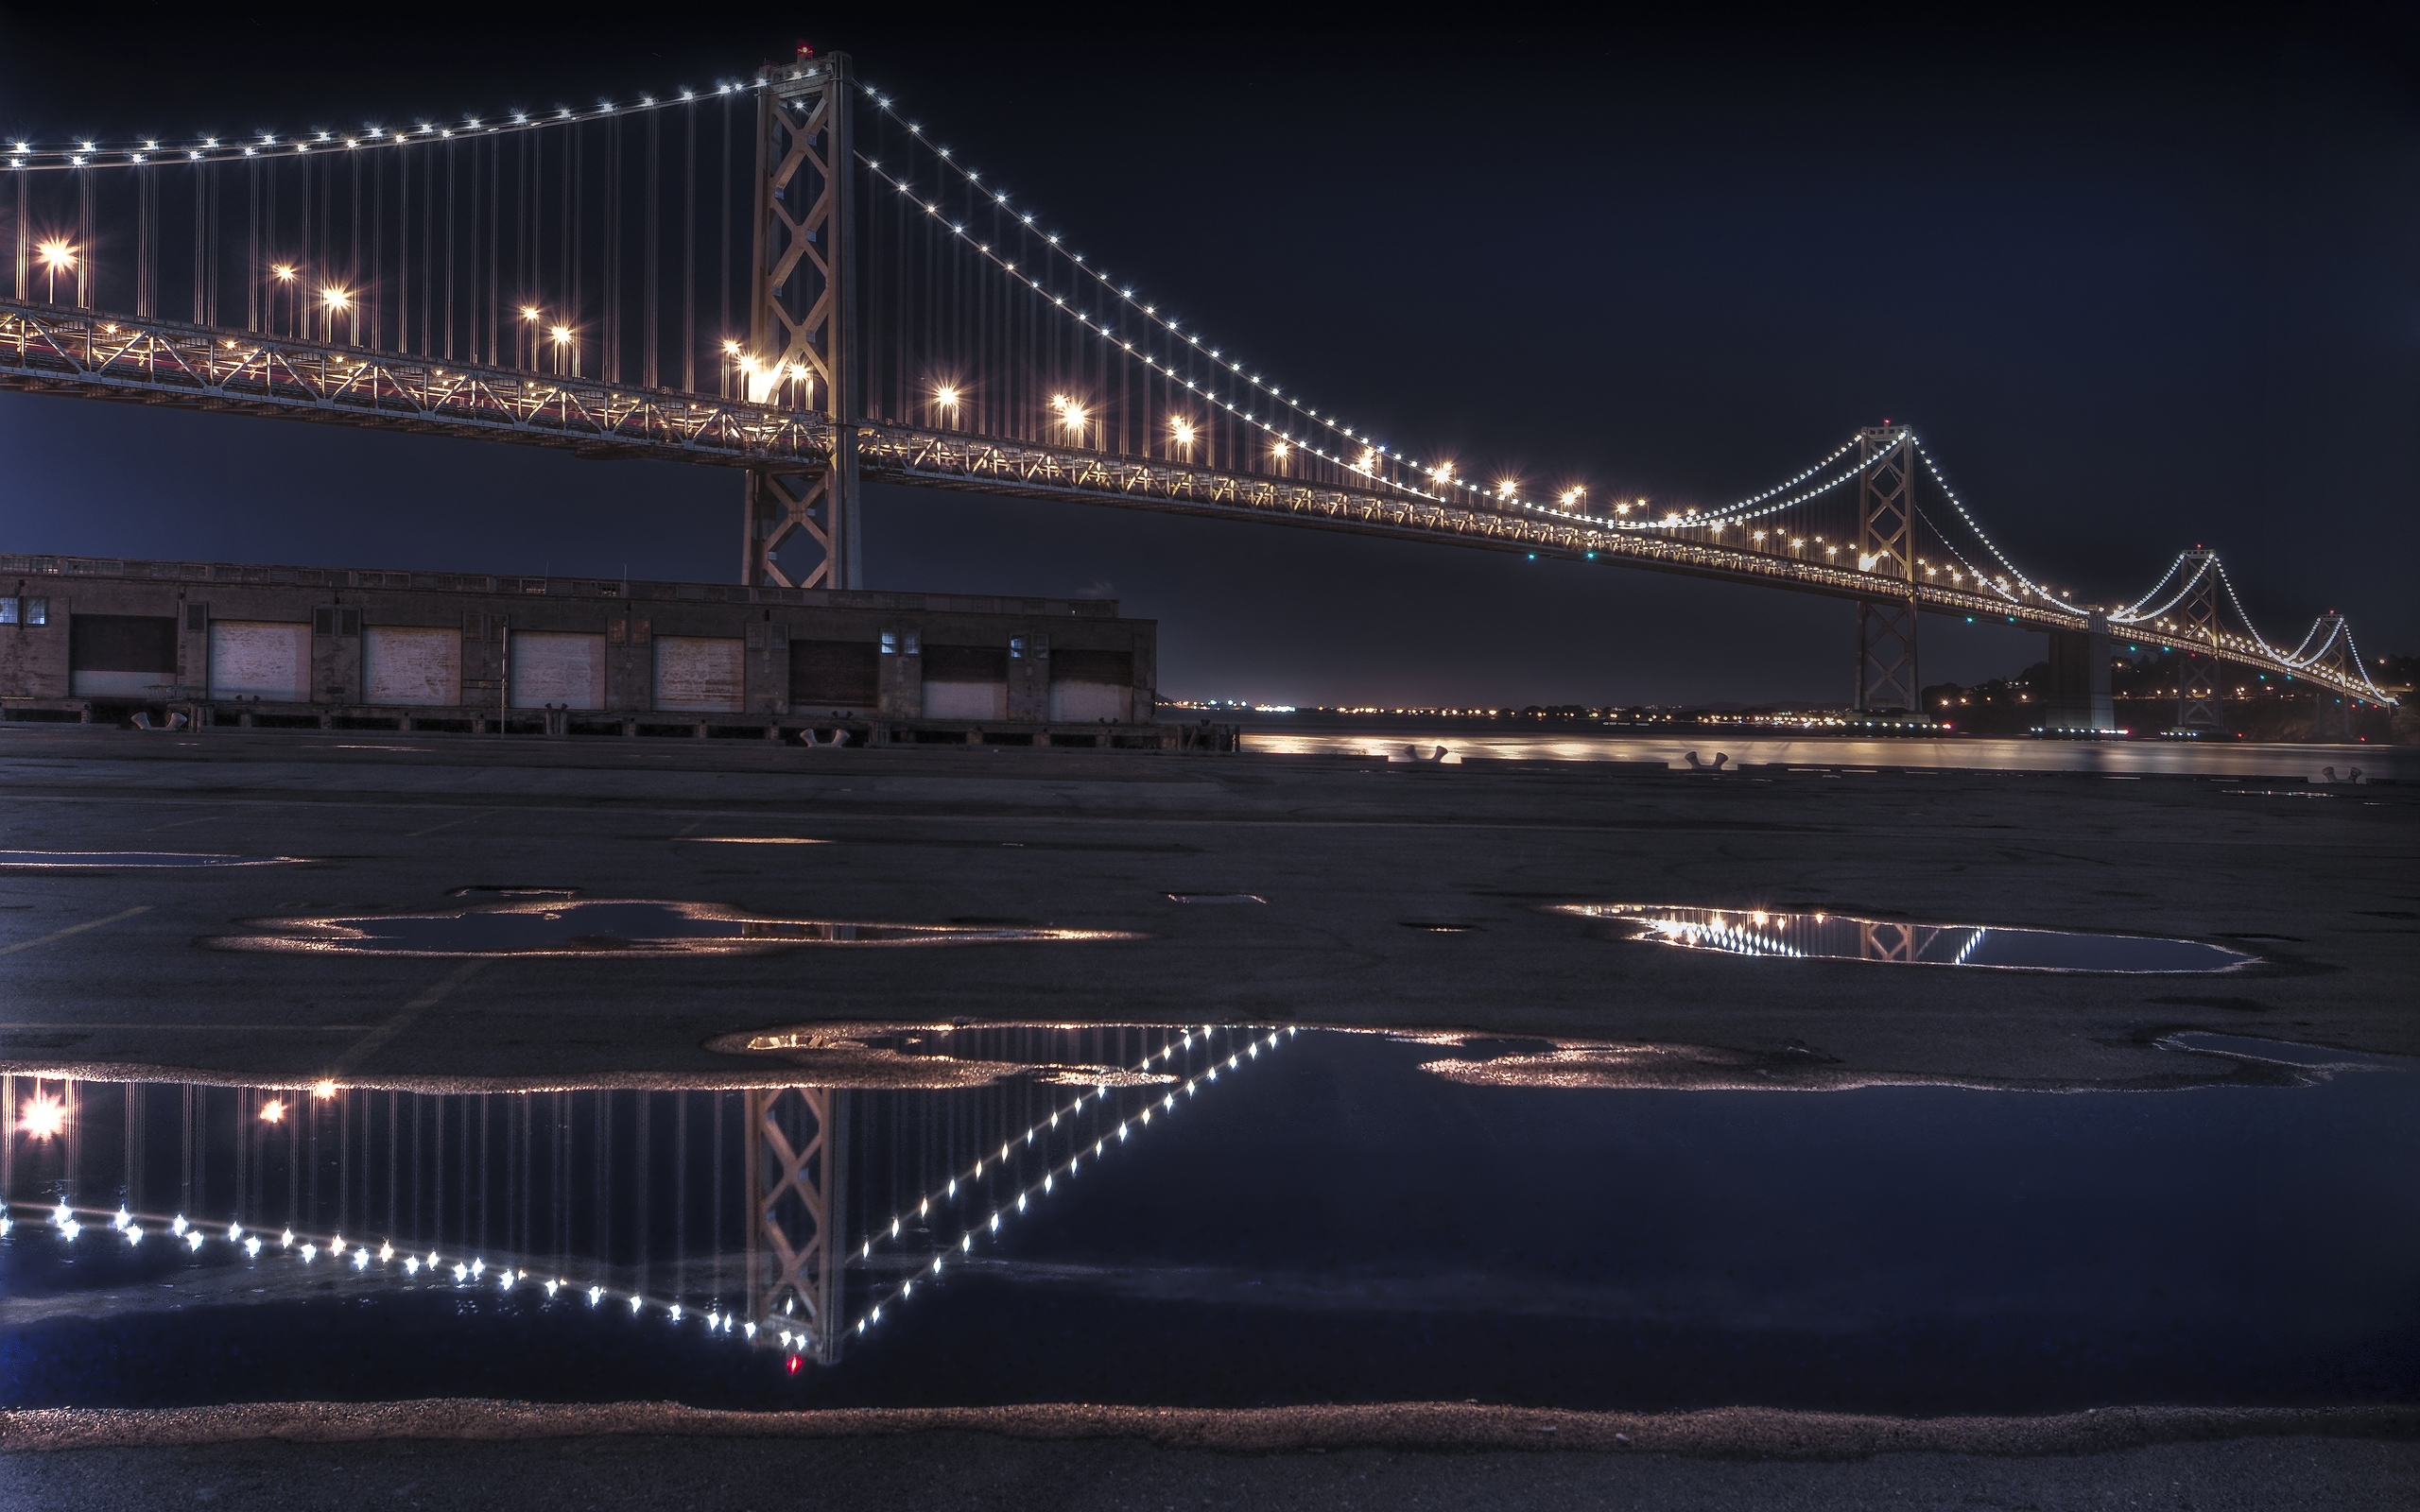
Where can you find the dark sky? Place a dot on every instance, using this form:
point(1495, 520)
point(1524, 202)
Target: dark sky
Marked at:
point(2137, 287)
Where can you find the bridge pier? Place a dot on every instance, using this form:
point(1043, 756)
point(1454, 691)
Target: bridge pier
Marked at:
point(2079, 697)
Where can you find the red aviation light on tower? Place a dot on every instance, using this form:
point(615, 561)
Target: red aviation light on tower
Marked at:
point(806, 51)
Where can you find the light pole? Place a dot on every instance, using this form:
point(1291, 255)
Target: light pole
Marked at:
point(338, 302)
point(56, 255)
point(530, 316)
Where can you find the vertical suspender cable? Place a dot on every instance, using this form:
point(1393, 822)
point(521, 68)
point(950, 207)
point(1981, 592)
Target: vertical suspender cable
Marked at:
point(200, 244)
point(403, 253)
point(24, 266)
point(650, 229)
point(84, 238)
point(453, 251)
point(146, 255)
point(468, 250)
point(571, 244)
point(612, 373)
point(352, 277)
point(495, 238)
point(251, 247)
point(370, 294)
point(724, 331)
point(689, 250)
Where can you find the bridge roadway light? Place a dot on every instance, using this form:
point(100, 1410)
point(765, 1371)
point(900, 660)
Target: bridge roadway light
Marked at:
point(55, 255)
point(945, 399)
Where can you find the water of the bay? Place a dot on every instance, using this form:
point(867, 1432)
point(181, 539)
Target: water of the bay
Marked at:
point(1396, 739)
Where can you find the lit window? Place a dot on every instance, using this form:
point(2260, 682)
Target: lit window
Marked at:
point(37, 611)
point(890, 643)
point(8, 611)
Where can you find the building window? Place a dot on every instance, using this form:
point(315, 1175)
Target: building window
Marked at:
point(8, 611)
point(912, 647)
point(37, 611)
point(1017, 648)
point(890, 643)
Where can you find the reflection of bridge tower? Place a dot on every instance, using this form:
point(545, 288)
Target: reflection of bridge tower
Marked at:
point(796, 1158)
point(2197, 668)
point(1881, 941)
point(802, 344)
point(1886, 628)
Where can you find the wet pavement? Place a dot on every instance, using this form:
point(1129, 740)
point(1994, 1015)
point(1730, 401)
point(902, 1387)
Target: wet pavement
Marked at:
point(557, 1013)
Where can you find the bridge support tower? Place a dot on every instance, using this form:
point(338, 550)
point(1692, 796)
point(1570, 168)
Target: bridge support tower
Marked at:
point(2080, 697)
point(802, 334)
point(1887, 679)
point(796, 1157)
point(2199, 697)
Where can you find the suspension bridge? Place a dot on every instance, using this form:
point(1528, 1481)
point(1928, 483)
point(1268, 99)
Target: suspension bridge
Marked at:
point(788, 275)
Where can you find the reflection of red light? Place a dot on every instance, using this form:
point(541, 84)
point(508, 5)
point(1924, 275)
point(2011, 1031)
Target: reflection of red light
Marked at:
point(793, 1365)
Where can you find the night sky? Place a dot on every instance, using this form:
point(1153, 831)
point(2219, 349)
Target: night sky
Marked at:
point(2136, 288)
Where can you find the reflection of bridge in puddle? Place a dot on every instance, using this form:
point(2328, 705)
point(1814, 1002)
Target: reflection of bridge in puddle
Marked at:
point(791, 1215)
point(1848, 937)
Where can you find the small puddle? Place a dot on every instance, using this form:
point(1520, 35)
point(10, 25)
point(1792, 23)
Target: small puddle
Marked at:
point(1848, 937)
point(1230, 1216)
point(127, 860)
point(635, 927)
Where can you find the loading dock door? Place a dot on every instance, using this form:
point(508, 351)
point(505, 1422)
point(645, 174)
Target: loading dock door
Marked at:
point(834, 674)
point(412, 665)
point(121, 655)
point(1090, 686)
point(700, 674)
point(966, 681)
point(553, 668)
point(261, 659)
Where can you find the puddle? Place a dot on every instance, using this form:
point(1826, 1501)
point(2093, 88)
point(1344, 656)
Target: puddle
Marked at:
point(128, 859)
point(1215, 898)
point(1847, 937)
point(1230, 1218)
point(603, 926)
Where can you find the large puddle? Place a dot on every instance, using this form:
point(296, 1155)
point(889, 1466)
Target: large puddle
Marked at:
point(552, 924)
point(1223, 1217)
point(1848, 937)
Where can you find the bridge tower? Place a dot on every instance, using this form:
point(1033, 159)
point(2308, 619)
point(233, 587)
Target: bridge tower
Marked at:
point(796, 1158)
point(2198, 695)
point(1886, 628)
point(802, 332)
point(2333, 711)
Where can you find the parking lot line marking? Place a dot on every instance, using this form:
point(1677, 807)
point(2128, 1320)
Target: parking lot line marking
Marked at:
point(73, 929)
point(370, 1043)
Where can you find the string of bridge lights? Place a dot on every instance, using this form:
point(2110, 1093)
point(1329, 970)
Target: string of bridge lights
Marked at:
point(1368, 465)
point(1990, 546)
point(1007, 1208)
point(2337, 625)
point(307, 1249)
point(1148, 312)
point(266, 146)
